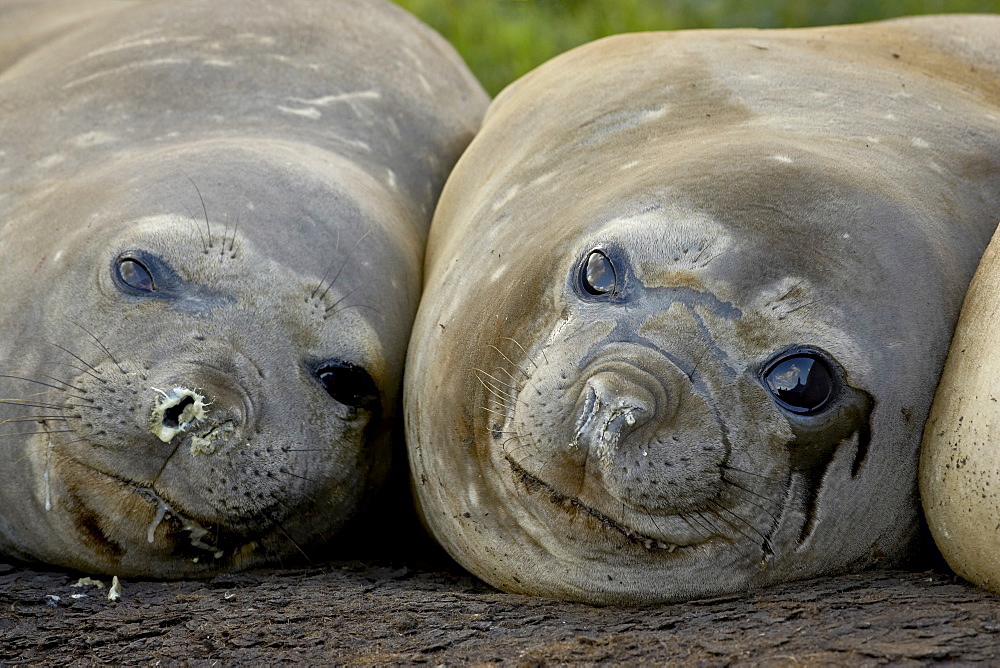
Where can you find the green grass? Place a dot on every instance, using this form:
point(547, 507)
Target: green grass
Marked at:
point(503, 39)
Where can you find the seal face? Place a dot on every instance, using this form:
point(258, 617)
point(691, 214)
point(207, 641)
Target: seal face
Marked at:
point(704, 297)
point(209, 285)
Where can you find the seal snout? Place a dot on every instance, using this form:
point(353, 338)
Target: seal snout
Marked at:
point(640, 432)
point(612, 407)
point(209, 413)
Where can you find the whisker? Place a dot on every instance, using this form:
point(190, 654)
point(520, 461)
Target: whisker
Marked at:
point(163, 466)
point(800, 306)
point(208, 225)
point(82, 439)
point(71, 354)
point(344, 265)
point(343, 297)
point(38, 382)
point(277, 525)
point(736, 470)
point(503, 415)
point(699, 530)
point(197, 226)
point(526, 374)
point(766, 510)
point(714, 528)
point(35, 404)
point(225, 233)
point(295, 544)
point(659, 531)
point(504, 446)
point(509, 374)
point(296, 475)
point(497, 380)
point(35, 418)
point(747, 490)
point(336, 249)
point(232, 243)
point(75, 368)
point(500, 394)
point(722, 509)
point(99, 343)
point(523, 351)
point(36, 433)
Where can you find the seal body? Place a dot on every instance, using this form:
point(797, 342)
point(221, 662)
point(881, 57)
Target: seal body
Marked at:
point(959, 463)
point(212, 219)
point(687, 297)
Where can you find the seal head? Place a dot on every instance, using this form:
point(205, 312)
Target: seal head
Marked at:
point(704, 315)
point(208, 287)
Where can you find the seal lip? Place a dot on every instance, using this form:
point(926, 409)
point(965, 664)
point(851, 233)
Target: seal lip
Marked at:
point(565, 502)
point(143, 490)
point(190, 534)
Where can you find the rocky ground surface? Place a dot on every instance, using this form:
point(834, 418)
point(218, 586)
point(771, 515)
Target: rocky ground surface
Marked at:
point(364, 613)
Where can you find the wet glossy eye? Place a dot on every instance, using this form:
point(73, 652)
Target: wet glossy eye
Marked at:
point(134, 274)
point(598, 275)
point(801, 383)
point(347, 383)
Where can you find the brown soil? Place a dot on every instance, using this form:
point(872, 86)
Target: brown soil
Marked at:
point(354, 612)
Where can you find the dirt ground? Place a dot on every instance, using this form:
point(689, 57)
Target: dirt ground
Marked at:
point(427, 611)
point(416, 606)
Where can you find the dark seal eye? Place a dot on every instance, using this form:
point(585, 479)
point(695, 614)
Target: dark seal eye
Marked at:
point(598, 275)
point(347, 383)
point(801, 383)
point(134, 274)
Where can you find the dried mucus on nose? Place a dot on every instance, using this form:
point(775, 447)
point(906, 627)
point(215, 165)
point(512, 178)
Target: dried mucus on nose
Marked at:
point(176, 412)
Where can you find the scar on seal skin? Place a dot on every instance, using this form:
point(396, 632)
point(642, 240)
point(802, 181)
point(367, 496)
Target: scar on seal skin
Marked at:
point(687, 298)
point(210, 260)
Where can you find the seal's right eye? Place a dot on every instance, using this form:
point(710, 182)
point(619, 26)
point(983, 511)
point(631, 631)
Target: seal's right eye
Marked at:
point(801, 383)
point(134, 274)
point(598, 275)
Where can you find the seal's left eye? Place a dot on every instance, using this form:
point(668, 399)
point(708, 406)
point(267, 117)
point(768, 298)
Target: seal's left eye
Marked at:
point(135, 275)
point(801, 383)
point(598, 275)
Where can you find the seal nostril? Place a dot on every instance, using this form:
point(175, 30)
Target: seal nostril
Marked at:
point(175, 411)
point(172, 417)
point(607, 411)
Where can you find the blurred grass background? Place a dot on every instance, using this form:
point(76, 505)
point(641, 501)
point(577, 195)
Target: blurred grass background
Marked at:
point(503, 39)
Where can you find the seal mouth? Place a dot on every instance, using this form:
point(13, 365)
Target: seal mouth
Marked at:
point(198, 532)
point(202, 536)
point(189, 537)
point(567, 502)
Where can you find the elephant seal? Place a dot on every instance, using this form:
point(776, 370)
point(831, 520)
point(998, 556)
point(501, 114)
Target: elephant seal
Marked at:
point(959, 464)
point(212, 221)
point(687, 296)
